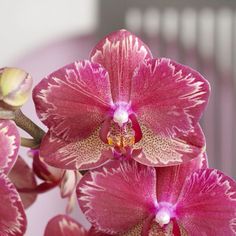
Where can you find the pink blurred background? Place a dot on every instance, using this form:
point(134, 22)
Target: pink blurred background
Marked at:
point(41, 36)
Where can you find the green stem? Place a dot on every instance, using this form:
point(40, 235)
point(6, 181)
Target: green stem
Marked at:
point(29, 143)
point(29, 126)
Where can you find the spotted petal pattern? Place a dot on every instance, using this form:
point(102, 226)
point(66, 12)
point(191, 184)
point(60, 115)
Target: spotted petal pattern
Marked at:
point(173, 96)
point(93, 232)
point(63, 225)
point(120, 53)
point(12, 215)
point(84, 154)
point(9, 143)
point(159, 150)
point(72, 101)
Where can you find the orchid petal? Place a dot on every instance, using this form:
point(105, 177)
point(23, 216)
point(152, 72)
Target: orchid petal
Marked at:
point(85, 154)
point(156, 230)
point(12, 216)
point(23, 177)
point(43, 170)
point(173, 96)
point(93, 232)
point(134, 231)
point(117, 196)
point(68, 183)
point(41, 188)
point(9, 143)
point(157, 150)
point(63, 225)
point(170, 180)
point(120, 53)
point(72, 101)
point(207, 204)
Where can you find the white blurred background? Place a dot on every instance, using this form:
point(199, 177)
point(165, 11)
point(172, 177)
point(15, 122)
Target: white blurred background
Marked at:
point(41, 36)
point(27, 24)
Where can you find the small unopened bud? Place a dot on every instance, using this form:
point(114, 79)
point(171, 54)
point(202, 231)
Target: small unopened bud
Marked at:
point(15, 87)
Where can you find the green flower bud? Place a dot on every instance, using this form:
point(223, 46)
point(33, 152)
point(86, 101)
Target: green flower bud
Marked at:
point(15, 86)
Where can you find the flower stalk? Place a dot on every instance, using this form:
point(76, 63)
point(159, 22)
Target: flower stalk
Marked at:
point(29, 143)
point(30, 127)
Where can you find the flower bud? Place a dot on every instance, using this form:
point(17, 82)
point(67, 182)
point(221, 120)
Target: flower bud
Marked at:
point(15, 86)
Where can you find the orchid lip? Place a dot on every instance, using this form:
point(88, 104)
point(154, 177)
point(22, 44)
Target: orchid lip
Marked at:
point(122, 133)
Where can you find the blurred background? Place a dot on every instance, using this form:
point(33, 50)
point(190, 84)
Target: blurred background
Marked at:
point(41, 36)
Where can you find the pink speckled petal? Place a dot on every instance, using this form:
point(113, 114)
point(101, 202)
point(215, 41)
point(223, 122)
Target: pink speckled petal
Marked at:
point(63, 225)
point(167, 96)
point(156, 230)
point(85, 154)
point(120, 53)
point(207, 204)
point(117, 196)
point(12, 216)
point(23, 177)
point(170, 180)
point(136, 230)
point(73, 100)
point(157, 150)
point(9, 144)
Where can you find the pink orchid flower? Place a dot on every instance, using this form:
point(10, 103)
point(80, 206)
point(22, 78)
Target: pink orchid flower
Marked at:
point(126, 198)
point(63, 225)
point(12, 214)
point(122, 103)
point(23, 177)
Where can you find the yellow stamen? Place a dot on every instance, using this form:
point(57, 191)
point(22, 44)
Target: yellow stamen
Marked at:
point(121, 136)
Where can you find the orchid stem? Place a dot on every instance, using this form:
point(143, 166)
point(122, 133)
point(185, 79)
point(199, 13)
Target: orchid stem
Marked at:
point(29, 143)
point(29, 126)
